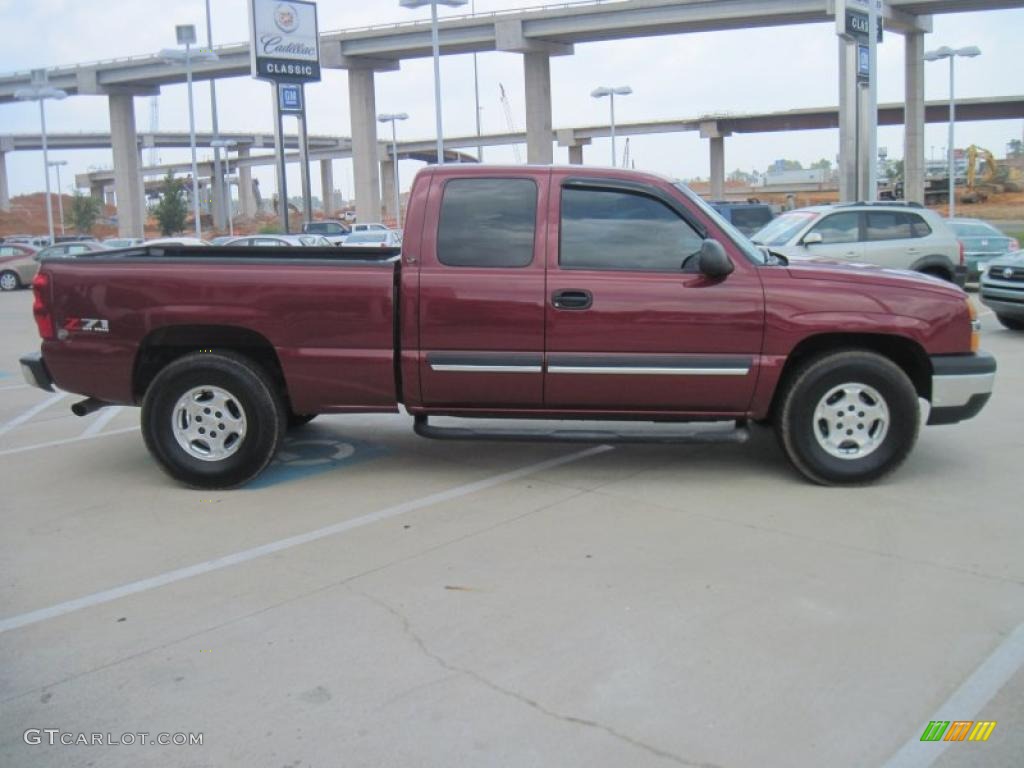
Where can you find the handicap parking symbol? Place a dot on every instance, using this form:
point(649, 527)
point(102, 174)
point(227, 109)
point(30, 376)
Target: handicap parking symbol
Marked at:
point(304, 456)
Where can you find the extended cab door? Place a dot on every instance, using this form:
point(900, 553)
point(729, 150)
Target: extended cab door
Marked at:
point(481, 291)
point(628, 328)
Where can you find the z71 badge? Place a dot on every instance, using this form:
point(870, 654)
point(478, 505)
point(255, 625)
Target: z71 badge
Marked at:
point(88, 324)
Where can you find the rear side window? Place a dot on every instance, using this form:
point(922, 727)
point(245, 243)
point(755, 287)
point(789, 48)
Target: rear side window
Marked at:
point(918, 226)
point(888, 225)
point(609, 229)
point(487, 223)
point(839, 228)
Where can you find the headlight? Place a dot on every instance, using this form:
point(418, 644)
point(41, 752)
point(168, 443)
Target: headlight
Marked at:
point(972, 313)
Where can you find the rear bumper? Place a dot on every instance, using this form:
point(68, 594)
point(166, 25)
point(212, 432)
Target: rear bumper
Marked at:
point(961, 385)
point(33, 368)
point(960, 275)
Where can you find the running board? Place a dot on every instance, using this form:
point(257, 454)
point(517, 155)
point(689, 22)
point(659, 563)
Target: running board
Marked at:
point(736, 435)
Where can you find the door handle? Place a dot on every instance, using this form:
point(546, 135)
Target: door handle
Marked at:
point(572, 299)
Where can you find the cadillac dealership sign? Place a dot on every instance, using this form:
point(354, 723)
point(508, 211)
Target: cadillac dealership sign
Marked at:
point(284, 41)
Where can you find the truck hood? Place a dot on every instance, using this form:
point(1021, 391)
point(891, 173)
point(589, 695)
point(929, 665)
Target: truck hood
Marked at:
point(1014, 259)
point(867, 274)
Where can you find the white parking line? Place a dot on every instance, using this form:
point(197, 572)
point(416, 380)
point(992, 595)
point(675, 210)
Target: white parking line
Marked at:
point(967, 700)
point(17, 421)
point(66, 441)
point(144, 585)
point(102, 420)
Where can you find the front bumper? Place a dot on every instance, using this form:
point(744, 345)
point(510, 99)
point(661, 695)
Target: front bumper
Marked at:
point(961, 385)
point(33, 368)
point(1003, 298)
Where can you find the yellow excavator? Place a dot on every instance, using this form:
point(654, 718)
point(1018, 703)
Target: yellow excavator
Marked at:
point(995, 177)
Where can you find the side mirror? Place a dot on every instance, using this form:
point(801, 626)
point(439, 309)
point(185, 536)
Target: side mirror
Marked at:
point(713, 260)
point(814, 238)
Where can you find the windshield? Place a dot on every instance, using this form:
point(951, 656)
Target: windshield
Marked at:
point(781, 230)
point(742, 241)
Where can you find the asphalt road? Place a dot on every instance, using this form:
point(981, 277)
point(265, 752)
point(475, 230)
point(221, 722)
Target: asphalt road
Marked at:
point(382, 600)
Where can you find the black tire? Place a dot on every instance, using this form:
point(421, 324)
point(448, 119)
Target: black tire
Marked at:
point(296, 420)
point(263, 413)
point(9, 280)
point(1012, 323)
point(798, 432)
point(938, 272)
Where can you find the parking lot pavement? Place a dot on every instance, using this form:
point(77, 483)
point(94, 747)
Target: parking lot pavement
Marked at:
point(381, 600)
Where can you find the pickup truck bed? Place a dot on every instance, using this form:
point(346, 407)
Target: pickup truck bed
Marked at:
point(569, 293)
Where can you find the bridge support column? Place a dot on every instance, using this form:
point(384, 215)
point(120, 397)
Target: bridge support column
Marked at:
point(913, 118)
point(716, 135)
point(365, 163)
point(98, 191)
point(567, 138)
point(537, 72)
point(131, 209)
point(327, 186)
point(849, 94)
point(387, 191)
point(246, 199)
point(5, 194)
point(576, 154)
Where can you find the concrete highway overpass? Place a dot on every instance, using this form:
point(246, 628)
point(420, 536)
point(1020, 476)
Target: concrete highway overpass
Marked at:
point(536, 34)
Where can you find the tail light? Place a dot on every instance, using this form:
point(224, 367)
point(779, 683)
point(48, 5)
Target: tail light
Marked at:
point(40, 307)
point(1014, 244)
point(960, 243)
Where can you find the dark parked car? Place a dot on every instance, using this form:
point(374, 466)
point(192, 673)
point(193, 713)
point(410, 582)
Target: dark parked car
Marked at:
point(747, 217)
point(982, 242)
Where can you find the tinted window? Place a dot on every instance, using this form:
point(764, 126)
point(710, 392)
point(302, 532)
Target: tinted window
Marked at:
point(888, 225)
point(487, 223)
point(918, 226)
point(749, 220)
point(973, 229)
point(838, 228)
point(604, 229)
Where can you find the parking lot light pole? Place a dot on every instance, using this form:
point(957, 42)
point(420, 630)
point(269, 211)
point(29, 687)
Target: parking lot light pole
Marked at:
point(227, 145)
point(186, 34)
point(41, 91)
point(437, 60)
point(393, 119)
point(60, 195)
point(611, 93)
point(945, 52)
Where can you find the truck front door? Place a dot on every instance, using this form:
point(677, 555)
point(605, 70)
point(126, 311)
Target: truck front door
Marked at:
point(627, 327)
point(481, 292)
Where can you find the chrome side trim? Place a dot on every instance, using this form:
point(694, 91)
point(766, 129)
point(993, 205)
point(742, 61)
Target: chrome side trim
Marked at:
point(650, 371)
point(956, 390)
point(465, 368)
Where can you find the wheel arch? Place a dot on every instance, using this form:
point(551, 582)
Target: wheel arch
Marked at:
point(908, 354)
point(163, 346)
point(933, 263)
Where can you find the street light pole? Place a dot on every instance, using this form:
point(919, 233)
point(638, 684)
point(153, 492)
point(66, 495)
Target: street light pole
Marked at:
point(186, 35)
point(476, 92)
point(603, 91)
point(60, 195)
point(436, 45)
point(945, 52)
point(393, 119)
point(40, 91)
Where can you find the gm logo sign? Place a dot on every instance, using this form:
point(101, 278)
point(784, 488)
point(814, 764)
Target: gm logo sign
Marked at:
point(290, 97)
point(958, 730)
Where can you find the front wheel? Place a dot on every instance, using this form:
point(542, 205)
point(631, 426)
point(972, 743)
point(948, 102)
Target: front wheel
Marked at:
point(1012, 323)
point(9, 281)
point(848, 417)
point(213, 420)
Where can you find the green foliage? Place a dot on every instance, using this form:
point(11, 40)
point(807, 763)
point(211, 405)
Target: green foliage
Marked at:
point(824, 164)
point(1015, 148)
point(85, 209)
point(270, 229)
point(172, 210)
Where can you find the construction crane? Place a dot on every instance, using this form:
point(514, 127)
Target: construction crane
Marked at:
point(509, 122)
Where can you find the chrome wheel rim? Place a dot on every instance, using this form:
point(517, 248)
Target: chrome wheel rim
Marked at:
point(209, 423)
point(8, 281)
point(851, 421)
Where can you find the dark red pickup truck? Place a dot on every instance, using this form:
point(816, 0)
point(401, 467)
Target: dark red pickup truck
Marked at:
point(523, 293)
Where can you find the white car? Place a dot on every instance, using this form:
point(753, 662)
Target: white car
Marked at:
point(368, 227)
point(176, 241)
point(385, 239)
point(292, 241)
point(897, 236)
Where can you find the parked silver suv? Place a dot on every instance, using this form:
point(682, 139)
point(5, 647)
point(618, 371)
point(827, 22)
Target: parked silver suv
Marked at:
point(894, 235)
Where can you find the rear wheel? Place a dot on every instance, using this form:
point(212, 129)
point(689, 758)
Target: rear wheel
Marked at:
point(213, 420)
point(1013, 323)
point(848, 417)
point(939, 273)
point(9, 281)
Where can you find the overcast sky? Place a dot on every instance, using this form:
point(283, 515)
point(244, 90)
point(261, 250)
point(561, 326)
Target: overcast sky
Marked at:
point(672, 77)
